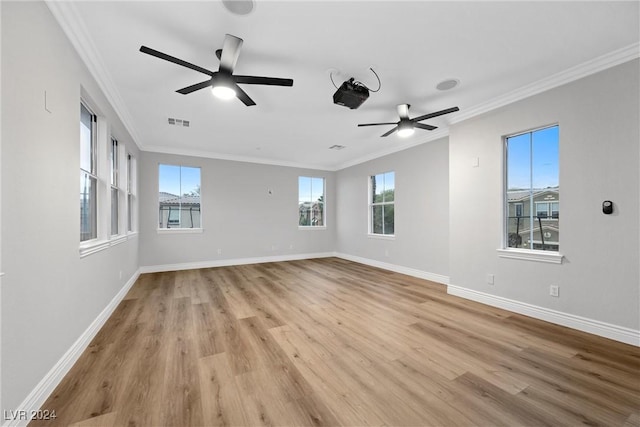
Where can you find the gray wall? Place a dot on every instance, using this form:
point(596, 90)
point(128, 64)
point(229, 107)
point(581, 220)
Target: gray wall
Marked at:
point(421, 209)
point(49, 294)
point(599, 160)
point(239, 216)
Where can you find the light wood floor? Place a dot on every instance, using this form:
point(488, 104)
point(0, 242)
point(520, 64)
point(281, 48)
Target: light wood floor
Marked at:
point(331, 342)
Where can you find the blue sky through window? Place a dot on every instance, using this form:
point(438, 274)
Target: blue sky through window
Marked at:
point(536, 152)
point(178, 180)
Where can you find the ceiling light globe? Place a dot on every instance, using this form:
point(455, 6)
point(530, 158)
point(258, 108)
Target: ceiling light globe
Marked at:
point(405, 132)
point(223, 92)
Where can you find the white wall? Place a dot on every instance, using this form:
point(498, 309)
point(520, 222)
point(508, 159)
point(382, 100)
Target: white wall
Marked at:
point(239, 216)
point(421, 209)
point(49, 294)
point(599, 160)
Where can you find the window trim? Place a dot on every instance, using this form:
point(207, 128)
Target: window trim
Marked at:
point(371, 204)
point(324, 204)
point(536, 255)
point(166, 230)
point(93, 174)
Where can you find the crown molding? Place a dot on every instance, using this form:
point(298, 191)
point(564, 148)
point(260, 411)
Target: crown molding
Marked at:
point(235, 158)
point(69, 19)
point(600, 63)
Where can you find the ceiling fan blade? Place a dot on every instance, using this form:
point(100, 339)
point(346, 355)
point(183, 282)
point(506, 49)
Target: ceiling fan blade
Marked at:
point(378, 124)
point(257, 80)
point(403, 111)
point(158, 54)
point(425, 127)
point(436, 114)
point(390, 132)
point(195, 87)
point(230, 52)
point(242, 96)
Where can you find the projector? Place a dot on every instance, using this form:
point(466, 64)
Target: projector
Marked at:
point(350, 94)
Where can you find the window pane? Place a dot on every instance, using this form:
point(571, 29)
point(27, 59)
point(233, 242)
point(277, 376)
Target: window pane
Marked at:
point(389, 186)
point(114, 211)
point(86, 140)
point(310, 201)
point(114, 162)
point(88, 217)
point(533, 182)
point(179, 197)
point(376, 219)
point(305, 214)
point(377, 188)
point(389, 226)
point(129, 212)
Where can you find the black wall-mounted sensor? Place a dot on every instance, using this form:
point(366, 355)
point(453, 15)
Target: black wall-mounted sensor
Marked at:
point(607, 207)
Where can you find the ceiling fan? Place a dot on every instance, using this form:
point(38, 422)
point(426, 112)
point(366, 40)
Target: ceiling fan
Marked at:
point(406, 126)
point(223, 82)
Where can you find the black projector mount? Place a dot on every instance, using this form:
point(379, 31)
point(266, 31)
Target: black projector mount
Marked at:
point(351, 93)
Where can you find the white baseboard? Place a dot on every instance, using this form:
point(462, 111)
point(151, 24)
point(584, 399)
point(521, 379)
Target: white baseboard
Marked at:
point(433, 277)
point(32, 403)
point(596, 327)
point(230, 262)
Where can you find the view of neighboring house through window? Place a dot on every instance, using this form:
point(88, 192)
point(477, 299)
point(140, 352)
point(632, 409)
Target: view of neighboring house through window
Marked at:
point(381, 204)
point(88, 175)
point(532, 190)
point(311, 202)
point(129, 193)
point(115, 191)
point(179, 197)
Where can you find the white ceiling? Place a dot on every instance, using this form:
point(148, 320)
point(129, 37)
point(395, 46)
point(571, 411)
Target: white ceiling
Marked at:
point(500, 51)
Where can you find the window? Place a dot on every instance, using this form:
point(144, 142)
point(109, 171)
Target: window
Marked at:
point(179, 197)
point(311, 202)
point(381, 204)
point(532, 190)
point(88, 175)
point(129, 193)
point(115, 191)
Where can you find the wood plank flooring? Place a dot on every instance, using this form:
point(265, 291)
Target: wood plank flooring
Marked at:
point(329, 342)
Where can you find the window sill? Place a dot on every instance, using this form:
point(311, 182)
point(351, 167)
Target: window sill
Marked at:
point(530, 255)
point(179, 230)
point(132, 234)
point(93, 247)
point(312, 227)
point(382, 236)
point(117, 239)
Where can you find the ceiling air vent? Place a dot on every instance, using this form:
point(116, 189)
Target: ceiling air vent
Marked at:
point(178, 122)
point(337, 147)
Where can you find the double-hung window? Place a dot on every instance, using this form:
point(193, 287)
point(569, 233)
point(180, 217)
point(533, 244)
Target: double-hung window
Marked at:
point(382, 204)
point(130, 170)
point(88, 175)
point(115, 190)
point(532, 190)
point(311, 203)
point(179, 197)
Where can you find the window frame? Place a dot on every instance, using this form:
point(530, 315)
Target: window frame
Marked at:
point(178, 230)
point(371, 205)
point(130, 160)
point(505, 251)
point(91, 175)
point(324, 203)
point(114, 189)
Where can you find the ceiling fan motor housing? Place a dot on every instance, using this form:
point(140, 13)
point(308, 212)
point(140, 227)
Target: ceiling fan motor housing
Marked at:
point(350, 95)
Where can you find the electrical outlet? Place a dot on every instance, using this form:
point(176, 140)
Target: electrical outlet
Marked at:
point(490, 279)
point(219, 251)
point(120, 274)
point(554, 291)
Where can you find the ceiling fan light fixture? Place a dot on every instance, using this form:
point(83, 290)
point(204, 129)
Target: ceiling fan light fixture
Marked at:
point(405, 129)
point(223, 92)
